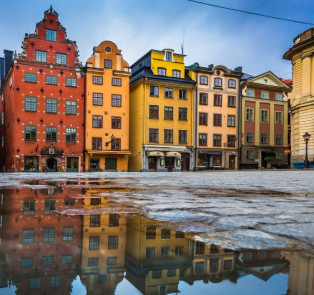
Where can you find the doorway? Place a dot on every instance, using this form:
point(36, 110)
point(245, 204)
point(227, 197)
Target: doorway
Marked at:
point(94, 164)
point(152, 163)
point(51, 165)
point(111, 164)
point(169, 163)
point(232, 160)
point(185, 162)
point(72, 164)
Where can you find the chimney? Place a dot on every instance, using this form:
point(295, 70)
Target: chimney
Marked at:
point(211, 66)
point(238, 69)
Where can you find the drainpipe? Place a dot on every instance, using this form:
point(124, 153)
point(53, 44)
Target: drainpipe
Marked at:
point(195, 120)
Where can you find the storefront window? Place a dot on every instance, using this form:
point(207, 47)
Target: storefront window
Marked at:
point(31, 163)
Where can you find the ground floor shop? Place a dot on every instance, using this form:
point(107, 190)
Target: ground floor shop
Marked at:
point(167, 158)
point(208, 159)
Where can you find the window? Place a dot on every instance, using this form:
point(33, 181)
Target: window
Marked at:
point(231, 120)
point(97, 121)
point(34, 283)
point(30, 77)
point(30, 133)
point(199, 248)
point(168, 113)
point(51, 105)
point(183, 114)
point(51, 133)
point(178, 250)
point(218, 100)
point(278, 139)
point(249, 114)
point(218, 82)
point(55, 282)
point(203, 80)
point(96, 143)
point(231, 139)
point(168, 55)
point(203, 119)
point(213, 265)
point(180, 235)
point(171, 272)
point(249, 137)
point(231, 83)
point(182, 94)
point(116, 100)
point(30, 104)
point(250, 93)
point(29, 207)
point(111, 260)
point(264, 116)
point(61, 59)
point(168, 92)
point(28, 236)
point(70, 82)
point(217, 140)
point(66, 259)
point(164, 251)
point(203, 98)
point(153, 112)
point(183, 134)
point(46, 260)
point(51, 35)
point(153, 135)
point(218, 120)
point(151, 232)
point(92, 261)
point(168, 136)
point(165, 233)
point(116, 122)
point(264, 138)
point(161, 71)
point(108, 63)
point(116, 145)
point(156, 273)
point(41, 56)
point(199, 267)
point(97, 80)
point(265, 95)
point(114, 220)
point(94, 220)
point(250, 154)
point(69, 202)
point(176, 73)
point(26, 262)
point(116, 82)
point(93, 243)
point(49, 235)
point(95, 201)
point(202, 139)
point(150, 253)
point(279, 96)
point(70, 134)
point(49, 208)
point(279, 156)
point(154, 91)
point(53, 80)
point(231, 101)
point(113, 242)
point(97, 99)
point(278, 117)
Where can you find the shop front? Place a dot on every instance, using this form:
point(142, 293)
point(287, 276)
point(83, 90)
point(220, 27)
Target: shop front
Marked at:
point(209, 160)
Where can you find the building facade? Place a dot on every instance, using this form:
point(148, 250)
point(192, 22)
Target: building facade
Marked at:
point(42, 103)
point(216, 116)
point(161, 113)
point(301, 55)
point(264, 122)
point(107, 109)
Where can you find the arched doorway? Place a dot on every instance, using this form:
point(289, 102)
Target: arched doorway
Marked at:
point(51, 165)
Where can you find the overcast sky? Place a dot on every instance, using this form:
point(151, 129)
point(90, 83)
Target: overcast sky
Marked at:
point(211, 35)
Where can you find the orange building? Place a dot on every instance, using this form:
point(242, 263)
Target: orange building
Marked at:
point(107, 109)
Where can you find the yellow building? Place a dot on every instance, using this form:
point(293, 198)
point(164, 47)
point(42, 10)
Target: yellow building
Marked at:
point(216, 116)
point(301, 55)
point(107, 110)
point(161, 113)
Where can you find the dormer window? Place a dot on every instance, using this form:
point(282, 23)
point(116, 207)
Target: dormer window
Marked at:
point(51, 35)
point(161, 71)
point(168, 55)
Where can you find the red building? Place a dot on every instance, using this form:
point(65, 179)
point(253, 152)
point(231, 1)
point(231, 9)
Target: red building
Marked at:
point(42, 103)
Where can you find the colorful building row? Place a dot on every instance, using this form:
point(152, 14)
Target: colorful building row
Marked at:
point(156, 115)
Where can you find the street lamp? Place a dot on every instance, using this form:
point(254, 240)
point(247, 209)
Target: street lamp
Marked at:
point(110, 141)
point(306, 137)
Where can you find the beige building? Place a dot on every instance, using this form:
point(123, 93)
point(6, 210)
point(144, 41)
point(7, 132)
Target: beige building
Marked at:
point(301, 55)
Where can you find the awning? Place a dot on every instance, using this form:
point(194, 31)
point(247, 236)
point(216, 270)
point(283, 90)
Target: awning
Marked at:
point(173, 154)
point(155, 154)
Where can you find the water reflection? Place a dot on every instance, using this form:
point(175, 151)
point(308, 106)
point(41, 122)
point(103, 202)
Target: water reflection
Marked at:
point(49, 236)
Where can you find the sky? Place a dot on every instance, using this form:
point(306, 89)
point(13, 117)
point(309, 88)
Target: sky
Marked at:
point(210, 35)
